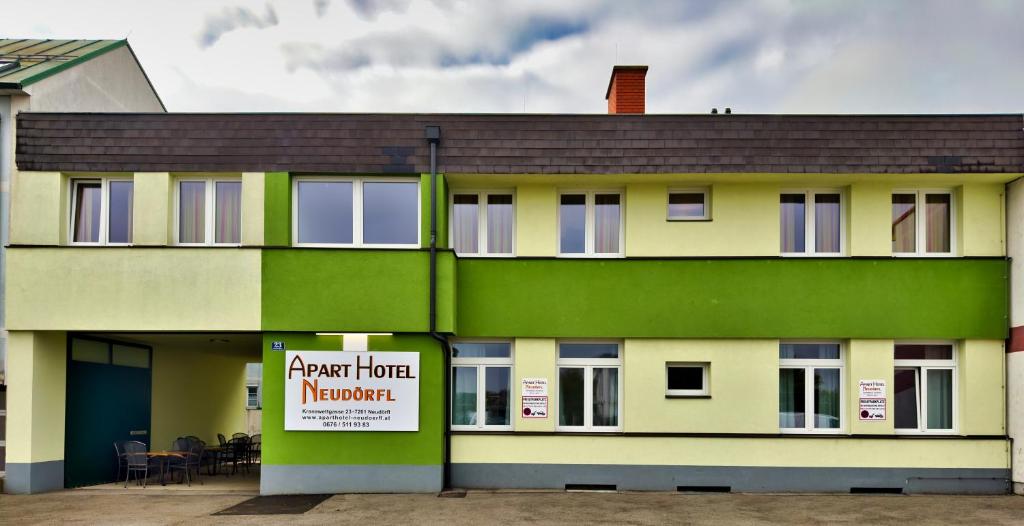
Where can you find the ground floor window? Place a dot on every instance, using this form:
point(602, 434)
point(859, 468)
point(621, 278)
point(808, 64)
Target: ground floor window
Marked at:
point(481, 386)
point(924, 392)
point(810, 387)
point(589, 386)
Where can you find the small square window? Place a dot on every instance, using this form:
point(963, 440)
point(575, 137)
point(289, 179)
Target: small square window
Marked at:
point(686, 379)
point(688, 205)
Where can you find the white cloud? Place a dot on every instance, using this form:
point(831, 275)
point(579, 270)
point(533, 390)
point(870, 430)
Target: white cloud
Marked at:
point(468, 56)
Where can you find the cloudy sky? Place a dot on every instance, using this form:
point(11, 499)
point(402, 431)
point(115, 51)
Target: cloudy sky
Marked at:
point(757, 56)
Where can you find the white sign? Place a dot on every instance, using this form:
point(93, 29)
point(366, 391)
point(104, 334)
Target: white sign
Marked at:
point(872, 409)
point(872, 389)
point(535, 387)
point(535, 407)
point(535, 397)
point(351, 391)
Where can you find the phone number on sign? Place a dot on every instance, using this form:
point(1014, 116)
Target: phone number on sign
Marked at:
point(345, 424)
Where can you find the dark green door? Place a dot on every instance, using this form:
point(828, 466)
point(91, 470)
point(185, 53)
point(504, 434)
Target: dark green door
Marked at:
point(108, 400)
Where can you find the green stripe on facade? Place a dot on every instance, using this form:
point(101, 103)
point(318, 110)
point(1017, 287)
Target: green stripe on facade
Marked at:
point(733, 298)
point(423, 447)
point(355, 290)
point(277, 209)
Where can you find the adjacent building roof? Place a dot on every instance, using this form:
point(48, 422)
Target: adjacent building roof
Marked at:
point(26, 61)
point(522, 143)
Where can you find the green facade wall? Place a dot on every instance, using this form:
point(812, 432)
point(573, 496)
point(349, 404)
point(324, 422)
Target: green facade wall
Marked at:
point(277, 209)
point(355, 290)
point(733, 298)
point(423, 447)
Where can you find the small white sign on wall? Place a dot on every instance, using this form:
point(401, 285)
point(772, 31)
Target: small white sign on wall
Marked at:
point(872, 400)
point(535, 397)
point(351, 391)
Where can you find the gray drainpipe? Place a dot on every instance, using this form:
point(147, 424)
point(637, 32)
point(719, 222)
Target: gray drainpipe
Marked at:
point(433, 136)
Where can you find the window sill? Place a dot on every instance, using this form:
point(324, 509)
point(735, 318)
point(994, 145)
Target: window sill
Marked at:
point(698, 396)
point(688, 219)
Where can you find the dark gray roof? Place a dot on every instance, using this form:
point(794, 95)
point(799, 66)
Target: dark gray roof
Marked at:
point(521, 143)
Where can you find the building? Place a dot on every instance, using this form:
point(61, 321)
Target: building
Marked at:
point(59, 75)
point(647, 302)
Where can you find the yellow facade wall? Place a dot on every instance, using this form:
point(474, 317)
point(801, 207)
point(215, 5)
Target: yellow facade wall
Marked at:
point(151, 210)
point(699, 451)
point(745, 222)
point(983, 396)
point(38, 208)
point(869, 214)
point(175, 289)
point(536, 220)
point(868, 360)
point(252, 208)
point(743, 381)
point(36, 391)
point(199, 392)
point(983, 221)
point(534, 358)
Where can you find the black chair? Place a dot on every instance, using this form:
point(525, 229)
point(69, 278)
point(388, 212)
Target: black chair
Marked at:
point(255, 447)
point(136, 461)
point(238, 450)
point(189, 462)
point(119, 458)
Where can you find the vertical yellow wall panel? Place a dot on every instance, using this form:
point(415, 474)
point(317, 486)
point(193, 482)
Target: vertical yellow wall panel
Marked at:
point(743, 385)
point(36, 386)
point(535, 358)
point(744, 222)
point(536, 220)
point(151, 211)
point(36, 211)
point(869, 224)
point(252, 208)
point(869, 360)
point(982, 387)
point(983, 216)
point(198, 392)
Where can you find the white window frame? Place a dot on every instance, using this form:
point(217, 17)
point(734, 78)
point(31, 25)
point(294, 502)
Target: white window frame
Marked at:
point(809, 366)
point(703, 190)
point(481, 226)
point(210, 212)
point(684, 393)
point(480, 364)
point(921, 222)
point(588, 365)
point(104, 210)
point(810, 231)
point(922, 366)
point(259, 403)
point(589, 224)
point(357, 211)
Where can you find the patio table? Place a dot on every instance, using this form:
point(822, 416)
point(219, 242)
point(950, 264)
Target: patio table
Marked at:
point(163, 457)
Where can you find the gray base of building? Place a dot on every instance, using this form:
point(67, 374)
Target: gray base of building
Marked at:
point(34, 477)
point(731, 478)
point(295, 479)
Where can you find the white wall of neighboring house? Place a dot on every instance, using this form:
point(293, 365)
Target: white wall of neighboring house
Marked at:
point(1015, 360)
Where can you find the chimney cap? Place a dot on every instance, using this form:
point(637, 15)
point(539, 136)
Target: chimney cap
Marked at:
point(618, 68)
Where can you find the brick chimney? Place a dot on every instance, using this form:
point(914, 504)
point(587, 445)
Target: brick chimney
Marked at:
point(627, 90)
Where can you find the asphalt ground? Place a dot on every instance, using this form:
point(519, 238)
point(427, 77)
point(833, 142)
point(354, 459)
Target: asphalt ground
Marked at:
point(480, 507)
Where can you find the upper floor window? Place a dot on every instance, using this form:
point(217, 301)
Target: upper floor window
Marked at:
point(346, 211)
point(252, 397)
point(481, 385)
point(209, 212)
point(590, 224)
point(810, 387)
point(101, 211)
point(589, 386)
point(811, 222)
point(922, 232)
point(924, 387)
point(482, 223)
point(689, 205)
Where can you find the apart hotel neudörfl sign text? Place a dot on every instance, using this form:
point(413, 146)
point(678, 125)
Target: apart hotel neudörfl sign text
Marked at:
point(351, 391)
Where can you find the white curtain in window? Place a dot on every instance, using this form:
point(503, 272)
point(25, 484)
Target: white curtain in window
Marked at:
point(606, 223)
point(465, 224)
point(88, 199)
point(228, 221)
point(499, 224)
